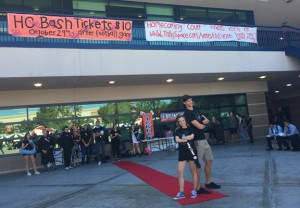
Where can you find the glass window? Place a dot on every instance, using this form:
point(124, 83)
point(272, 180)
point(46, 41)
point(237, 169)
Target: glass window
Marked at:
point(160, 10)
point(13, 115)
point(51, 112)
point(227, 100)
point(11, 2)
point(192, 14)
point(144, 105)
point(123, 9)
point(11, 137)
point(207, 101)
point(222, 15)
point(240, 99)
point(92, 5)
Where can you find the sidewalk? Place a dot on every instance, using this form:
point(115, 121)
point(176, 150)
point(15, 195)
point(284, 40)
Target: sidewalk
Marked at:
point(252, 176)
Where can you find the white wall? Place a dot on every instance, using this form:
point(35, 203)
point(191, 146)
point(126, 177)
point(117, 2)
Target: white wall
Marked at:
point(45, 62)
point(34, 97)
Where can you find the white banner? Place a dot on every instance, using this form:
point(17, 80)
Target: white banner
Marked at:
point(176, 32)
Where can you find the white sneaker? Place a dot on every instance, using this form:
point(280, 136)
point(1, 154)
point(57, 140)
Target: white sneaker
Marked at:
point(99, 163)
point(70, 167)
point(67, 168)
point(37, 173)
point(28, 174)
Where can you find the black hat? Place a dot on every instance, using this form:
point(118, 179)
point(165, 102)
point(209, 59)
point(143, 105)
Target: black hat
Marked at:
point(185, 98)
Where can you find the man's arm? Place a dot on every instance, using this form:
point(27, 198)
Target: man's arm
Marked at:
point(198, 125)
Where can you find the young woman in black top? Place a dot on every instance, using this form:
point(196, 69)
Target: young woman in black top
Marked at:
point(115, 136)
point(187, 153)
point(28, 151)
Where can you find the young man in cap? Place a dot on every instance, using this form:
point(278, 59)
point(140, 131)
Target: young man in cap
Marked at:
point(204, 152)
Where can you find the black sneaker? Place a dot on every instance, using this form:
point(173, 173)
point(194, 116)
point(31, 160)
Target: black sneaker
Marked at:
point(203, 191)
point(212, 185)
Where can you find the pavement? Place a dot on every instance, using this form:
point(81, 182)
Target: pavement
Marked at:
point(250, 175)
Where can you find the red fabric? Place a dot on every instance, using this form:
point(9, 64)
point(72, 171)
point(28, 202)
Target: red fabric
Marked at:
point(166, 183)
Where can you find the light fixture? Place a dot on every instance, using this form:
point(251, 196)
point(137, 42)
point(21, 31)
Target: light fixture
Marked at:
point(92, 12)
point(219, 20)
point(169, 80)
point(140, 16)
point(181, 18)
point(281, 38)
point(36, 9)
point(276, 91)
point(38, 84)
point(221, 78)
point(299, 75)
point(112, 82)
point(262, 77)
point(289, 85)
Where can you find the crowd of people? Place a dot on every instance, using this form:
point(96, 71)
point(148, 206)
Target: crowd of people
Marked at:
point(77, 143)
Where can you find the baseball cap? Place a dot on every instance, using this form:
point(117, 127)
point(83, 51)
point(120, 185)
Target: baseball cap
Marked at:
point(185, 98)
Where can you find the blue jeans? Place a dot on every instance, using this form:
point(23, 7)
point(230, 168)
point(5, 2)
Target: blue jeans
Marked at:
point(86, 152)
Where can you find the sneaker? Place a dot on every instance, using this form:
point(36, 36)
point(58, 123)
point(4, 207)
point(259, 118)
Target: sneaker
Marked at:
point(194, 194)
point(99, 163)
point(203, 191)
point(212, 185)
point(286, 149)
point(37, 173)
point(180, 195)
point(28, 174)
point(67, 168)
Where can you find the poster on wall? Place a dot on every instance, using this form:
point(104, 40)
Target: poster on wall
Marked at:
point(29, 25)
point(169, 116)
point(177, 32)
point(148, 126)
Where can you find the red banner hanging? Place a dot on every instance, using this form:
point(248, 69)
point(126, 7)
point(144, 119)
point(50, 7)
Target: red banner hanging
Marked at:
point(148, 124)
point(29, 25)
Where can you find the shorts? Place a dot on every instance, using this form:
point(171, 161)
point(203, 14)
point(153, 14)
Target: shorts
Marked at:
point(204, 151)
point(233, 130)
point(184, 153)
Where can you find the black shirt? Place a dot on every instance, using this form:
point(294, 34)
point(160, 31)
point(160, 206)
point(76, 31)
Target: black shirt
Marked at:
point(86, 135)
point(29, 146)
point(183, 132)
point(99, 130)
point(191, 115)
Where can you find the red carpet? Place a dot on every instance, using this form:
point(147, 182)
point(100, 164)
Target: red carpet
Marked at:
point(166, 183)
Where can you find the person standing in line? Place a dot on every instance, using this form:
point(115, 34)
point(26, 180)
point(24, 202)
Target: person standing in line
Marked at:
point(204, 152)
point(66, 144)
point(212, 130)
point(115, 136)
point(1, 147)
point(291, 133)
point(86, 139)
point(46, 145)
point(98, 133)
point(187, 154)
point(76, 147)
point(134, 135)
point(28, 150)
point(249, 128)
point(240, 128)
point(233, 125)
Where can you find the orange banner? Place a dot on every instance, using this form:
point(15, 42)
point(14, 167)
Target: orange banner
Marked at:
point(28, 25)
point(148, 125)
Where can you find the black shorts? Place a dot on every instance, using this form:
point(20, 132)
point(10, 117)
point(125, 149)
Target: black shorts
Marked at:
point(185, 153)
point(233, 130)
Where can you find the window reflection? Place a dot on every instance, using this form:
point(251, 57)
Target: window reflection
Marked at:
point(14, 123)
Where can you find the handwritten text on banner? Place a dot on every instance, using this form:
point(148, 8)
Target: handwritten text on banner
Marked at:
point(176, 32)
point(28, 25)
